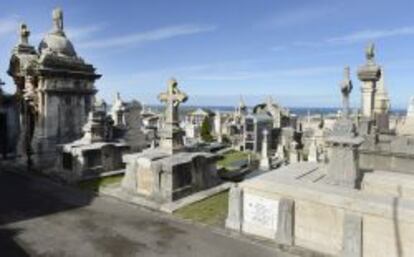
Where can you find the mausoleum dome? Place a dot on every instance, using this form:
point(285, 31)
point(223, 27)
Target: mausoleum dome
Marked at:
point(56, 43)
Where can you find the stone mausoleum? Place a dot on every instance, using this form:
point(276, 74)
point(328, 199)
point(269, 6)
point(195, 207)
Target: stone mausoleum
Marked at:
point(55, 92)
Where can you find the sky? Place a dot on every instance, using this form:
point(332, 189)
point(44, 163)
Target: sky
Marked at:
point(293, 50)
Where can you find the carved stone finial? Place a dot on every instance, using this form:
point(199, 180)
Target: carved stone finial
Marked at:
point(57, 16)
point(370, 53)
point(24, 34)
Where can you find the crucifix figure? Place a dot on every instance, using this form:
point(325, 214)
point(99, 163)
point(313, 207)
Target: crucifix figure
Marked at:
point(57, 20)
point(346, 88)
point(24, 34)
point(173, 98)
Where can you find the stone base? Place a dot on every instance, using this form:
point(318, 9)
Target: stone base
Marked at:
point(81, 159)
point(314, 215)
point(162, 177)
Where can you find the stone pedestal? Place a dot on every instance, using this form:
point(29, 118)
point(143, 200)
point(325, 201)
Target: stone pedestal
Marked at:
point(343, 160)
point(369, 74)
point(234, 216)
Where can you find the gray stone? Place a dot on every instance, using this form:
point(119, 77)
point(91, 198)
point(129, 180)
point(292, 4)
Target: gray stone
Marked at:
point(171, 134)
point(235, 213)
point(285, 225)
point(58, 91)
point(352, 237)
point(132, 131)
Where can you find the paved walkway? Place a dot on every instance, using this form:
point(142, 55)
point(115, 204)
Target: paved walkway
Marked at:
point(42, 219)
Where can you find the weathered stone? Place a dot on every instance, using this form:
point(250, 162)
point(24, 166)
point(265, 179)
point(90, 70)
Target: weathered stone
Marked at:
point(285, 224)
point(171, 134)
point(352, 237)
point(235, 211)
point(58, 92)
point(369, 74)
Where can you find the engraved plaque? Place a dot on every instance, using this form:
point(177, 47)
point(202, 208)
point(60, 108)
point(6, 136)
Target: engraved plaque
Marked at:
point(260, 215)
point(145, 181)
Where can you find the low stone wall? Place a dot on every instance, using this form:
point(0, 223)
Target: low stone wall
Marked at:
point(327, 219)
point(376, 160)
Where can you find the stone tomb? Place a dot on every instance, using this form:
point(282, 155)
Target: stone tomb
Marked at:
point(162, 178)
point(169, 172)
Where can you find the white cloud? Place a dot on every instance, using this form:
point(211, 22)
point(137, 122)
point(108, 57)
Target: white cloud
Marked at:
point(366, 35)
point(8, 25)
point(359, 36)
point(297, 16)
point(79, 33)
point(145, 37)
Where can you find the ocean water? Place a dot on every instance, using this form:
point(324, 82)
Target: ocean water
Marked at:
point(300, 111)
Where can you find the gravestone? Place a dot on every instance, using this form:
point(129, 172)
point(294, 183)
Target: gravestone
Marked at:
point(132, 133)
point(343, 143)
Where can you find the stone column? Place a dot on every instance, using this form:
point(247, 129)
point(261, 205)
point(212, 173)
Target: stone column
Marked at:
point(369, 74)
point(313, 155)
point(265, 161)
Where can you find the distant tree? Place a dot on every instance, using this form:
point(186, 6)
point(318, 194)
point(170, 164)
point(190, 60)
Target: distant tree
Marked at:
point(206, 130)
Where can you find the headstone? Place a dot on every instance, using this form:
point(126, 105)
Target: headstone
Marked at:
point(260, 215)
point(133, 134)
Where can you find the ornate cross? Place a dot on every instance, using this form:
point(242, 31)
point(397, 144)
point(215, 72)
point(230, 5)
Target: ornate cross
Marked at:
point(173, 98)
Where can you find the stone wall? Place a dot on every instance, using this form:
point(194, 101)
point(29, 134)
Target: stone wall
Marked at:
point(331, 220)
point(376, 160)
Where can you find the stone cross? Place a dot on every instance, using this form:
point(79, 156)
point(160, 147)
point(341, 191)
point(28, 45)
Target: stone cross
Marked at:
point(24, 34)
point(57, 16)
point(346, 88)
point(173, 98)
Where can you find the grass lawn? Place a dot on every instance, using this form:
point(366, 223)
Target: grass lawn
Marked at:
point(231, 157)
point(210, 211)
point(95, 184)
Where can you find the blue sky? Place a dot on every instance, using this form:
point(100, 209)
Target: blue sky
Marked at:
point(294, 50)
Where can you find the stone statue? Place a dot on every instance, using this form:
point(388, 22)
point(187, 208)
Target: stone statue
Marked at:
point(346, 88)
point(370, 53)
point(24, 34)
point(57, 20)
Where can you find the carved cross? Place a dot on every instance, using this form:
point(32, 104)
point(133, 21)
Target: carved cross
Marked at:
point(173, 98)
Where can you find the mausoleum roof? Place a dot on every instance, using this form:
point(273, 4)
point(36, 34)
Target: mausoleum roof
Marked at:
point(57, 43)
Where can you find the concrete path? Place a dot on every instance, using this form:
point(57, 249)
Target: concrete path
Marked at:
point(38, 218)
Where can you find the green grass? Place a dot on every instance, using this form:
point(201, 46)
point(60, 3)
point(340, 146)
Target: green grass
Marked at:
point(231, 157)
point(95, 184)
point(210, 211)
